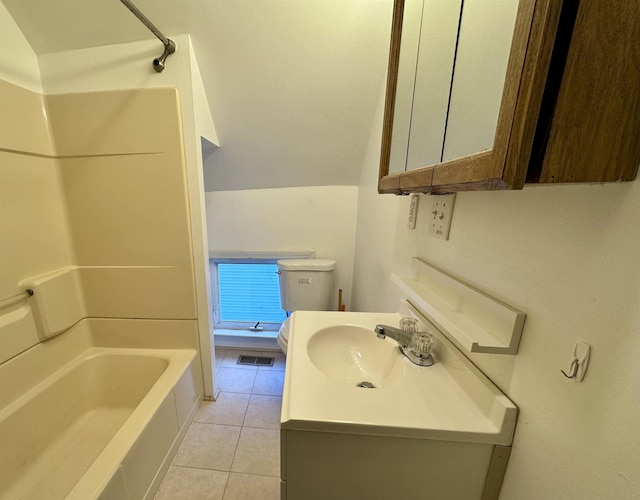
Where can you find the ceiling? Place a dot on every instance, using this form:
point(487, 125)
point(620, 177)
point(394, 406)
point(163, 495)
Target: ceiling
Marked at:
point(292, 84)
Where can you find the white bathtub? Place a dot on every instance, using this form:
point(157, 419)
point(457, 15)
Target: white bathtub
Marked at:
point(81, 420)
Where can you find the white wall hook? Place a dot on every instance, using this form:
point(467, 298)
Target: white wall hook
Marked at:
point(579, 362)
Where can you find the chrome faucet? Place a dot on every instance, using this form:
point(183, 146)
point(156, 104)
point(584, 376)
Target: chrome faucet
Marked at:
point(410, 348)
point(400, 336)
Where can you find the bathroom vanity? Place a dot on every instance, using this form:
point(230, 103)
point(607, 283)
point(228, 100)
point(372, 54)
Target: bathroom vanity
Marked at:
point(442, 431)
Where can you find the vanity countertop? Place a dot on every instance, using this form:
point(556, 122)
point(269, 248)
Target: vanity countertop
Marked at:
point(451, 400)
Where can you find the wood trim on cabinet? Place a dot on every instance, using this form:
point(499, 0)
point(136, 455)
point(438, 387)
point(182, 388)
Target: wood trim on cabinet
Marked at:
point(524, 89)
point(389, 184)
point(390, 95)
point(598, 141)
point(417, 181)
point(486, 185)
point(512, 83)
point(471, 168)
point(440, 179)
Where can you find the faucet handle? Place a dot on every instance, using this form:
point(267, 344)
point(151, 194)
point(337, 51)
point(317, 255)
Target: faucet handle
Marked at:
point(422, 343)
point(409, 325)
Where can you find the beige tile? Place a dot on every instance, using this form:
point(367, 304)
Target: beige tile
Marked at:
point(279, 361)
point(208, 446)
point(231, 359)
point(264, 412)
point(252, 487)
point(228, 409)
point(220, 355)
point(234, 380)
point(185, 483)
point(268, 382)
point(258, 452)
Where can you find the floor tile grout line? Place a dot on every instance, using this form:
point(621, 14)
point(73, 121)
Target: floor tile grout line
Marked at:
point(226, 484)
point(244, 417)
point(253, 474)
point(235, 451)
point(213, 423)
point(235, 392)
point(202, 468)
point(249, 394)
point(228, 472)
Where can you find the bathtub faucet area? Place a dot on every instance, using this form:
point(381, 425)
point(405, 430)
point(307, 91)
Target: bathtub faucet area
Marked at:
point(414, 345)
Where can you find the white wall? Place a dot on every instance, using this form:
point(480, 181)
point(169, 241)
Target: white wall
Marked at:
point(292, 86)
point(569, 257)
point(320, 219)
point(18, 62)
point(382, 241)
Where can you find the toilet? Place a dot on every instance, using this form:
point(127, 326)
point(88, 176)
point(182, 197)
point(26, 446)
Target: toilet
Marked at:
point(305, 285)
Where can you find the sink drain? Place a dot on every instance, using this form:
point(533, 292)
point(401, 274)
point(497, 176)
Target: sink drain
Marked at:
point(366, 385)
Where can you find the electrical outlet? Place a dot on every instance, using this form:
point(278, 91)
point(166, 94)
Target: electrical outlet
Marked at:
point(441, 213)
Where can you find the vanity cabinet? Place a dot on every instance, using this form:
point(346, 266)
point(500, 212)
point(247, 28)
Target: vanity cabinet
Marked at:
point(567, 109)
point(327, 465)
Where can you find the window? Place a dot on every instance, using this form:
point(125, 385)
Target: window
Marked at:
point(249, 296)
point(246, 292)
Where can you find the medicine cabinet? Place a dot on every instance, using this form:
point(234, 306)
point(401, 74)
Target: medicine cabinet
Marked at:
point(490, 94)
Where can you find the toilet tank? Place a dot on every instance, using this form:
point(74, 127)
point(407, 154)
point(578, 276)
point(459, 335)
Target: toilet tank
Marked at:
point(306, 284)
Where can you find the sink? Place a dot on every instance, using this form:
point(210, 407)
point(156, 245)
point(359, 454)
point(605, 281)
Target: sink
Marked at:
point(354, 356)
point(442, 423)
point(331, 352)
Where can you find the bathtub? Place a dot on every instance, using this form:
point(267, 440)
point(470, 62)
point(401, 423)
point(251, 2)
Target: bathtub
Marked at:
point(81, 419)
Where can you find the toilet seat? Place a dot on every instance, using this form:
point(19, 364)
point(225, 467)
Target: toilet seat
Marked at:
point(283, 335)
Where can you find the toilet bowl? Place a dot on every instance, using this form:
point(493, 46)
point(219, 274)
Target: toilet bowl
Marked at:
point(305, 285)
point(283, 335)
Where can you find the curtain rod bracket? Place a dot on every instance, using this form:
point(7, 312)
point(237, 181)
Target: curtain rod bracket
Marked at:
point(169, 45)
point(169, 48)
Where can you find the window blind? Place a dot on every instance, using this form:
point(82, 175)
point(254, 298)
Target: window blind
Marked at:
point(249, 293)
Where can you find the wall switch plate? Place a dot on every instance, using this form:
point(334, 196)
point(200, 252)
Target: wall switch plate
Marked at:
point(413, 211)
point(441, 213)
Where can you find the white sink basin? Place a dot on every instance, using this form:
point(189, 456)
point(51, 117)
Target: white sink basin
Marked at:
point(354, 356)
point(331, 352)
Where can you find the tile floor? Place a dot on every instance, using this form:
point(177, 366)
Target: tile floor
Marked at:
point(232, 449)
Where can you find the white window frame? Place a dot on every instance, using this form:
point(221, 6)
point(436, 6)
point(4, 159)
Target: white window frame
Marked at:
point(216, 258)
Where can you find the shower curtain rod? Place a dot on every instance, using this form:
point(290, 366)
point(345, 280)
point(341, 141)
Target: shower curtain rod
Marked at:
point(169, 45)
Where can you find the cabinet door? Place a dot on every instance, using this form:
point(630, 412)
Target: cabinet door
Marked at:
point(484, 43)
point(489, 126)
point(595, 132)
point(433, 75)
point(424, 80)
point(403, 98)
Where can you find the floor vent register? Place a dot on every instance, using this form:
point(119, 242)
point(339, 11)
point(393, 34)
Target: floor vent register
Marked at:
point(255, 360)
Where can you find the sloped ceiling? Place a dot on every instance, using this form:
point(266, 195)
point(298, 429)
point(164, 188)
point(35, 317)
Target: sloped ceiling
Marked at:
point(292, 84)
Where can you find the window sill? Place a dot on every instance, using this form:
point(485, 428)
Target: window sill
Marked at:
point(246, 339)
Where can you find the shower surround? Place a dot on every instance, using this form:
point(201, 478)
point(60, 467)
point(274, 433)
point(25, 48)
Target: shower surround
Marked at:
point(95, 220)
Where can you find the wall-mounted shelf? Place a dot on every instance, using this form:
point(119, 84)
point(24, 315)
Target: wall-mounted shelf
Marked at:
point(469, 317)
